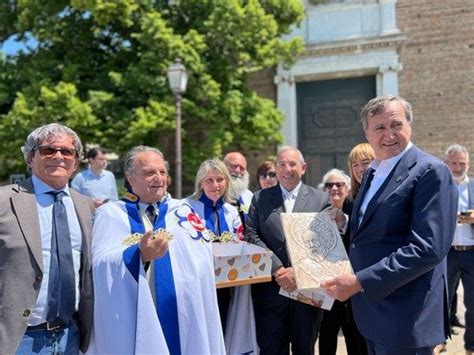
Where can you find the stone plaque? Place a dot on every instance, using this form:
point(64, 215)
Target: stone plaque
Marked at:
point(315, 248)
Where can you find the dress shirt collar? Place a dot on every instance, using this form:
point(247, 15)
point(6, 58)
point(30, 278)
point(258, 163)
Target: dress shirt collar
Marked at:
point(90, 172)
point(465, 181)
point(290, 194)
point(40, 187)
point(143, 206)
point(384, 167)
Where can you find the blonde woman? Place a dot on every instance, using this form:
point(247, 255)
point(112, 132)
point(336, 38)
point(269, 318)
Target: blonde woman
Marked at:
point(212, 203)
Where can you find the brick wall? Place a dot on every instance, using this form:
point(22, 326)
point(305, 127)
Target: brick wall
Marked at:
point(262, 83)
point(438, 71)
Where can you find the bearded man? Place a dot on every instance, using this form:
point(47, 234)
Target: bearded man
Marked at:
point(239, 187)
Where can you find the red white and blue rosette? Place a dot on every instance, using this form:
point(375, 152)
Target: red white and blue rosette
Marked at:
point(192, 223)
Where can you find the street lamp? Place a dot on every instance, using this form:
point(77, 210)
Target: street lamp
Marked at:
point(178, 79)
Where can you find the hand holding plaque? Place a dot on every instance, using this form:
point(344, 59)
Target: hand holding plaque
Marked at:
point(315, 249)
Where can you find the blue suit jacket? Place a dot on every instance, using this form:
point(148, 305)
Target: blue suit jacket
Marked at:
point(398, 253)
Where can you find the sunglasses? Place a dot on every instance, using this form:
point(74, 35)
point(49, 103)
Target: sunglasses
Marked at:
point(49, 152)
point(329, 185)
point(270, 174)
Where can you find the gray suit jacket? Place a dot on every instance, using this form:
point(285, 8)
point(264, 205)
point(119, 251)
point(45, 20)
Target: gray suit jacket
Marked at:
point(264, 227)
point(21, 263)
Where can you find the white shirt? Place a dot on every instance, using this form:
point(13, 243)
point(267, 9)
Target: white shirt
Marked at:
point(463, 234)
point(382, 169)
point(289, 197)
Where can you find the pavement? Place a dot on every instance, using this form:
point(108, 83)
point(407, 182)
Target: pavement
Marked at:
point(454, 346)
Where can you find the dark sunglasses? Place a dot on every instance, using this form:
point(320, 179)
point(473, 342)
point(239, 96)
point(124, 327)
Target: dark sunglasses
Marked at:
point(270, 174)
point(329, 185)
point(49, 152)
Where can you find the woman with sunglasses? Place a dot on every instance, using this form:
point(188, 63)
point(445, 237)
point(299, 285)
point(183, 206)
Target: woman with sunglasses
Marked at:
point(338, 185)
point(266, 175)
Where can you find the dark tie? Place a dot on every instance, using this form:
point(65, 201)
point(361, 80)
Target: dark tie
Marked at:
point(366, 184)
point(217, 224)
point(151, 214)
point(238, 204)
point(62, 286)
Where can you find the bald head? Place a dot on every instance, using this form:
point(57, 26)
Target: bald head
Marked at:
point(236, 164)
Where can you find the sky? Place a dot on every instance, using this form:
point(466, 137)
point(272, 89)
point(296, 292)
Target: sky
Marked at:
point(11, 46)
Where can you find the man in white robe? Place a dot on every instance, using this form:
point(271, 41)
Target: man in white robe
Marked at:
point(172, 307)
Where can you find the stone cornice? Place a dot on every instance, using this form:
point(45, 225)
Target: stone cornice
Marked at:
point(354, 45)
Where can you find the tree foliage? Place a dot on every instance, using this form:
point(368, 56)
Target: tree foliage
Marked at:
point(100, 68)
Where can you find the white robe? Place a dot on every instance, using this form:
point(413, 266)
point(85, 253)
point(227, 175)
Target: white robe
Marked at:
point(125, 318)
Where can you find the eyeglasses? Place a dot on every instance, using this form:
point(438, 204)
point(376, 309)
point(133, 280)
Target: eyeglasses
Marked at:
point(329, 185)
point(270, 174)
point(49, 152)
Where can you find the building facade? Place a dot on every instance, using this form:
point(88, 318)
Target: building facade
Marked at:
point(422, 50)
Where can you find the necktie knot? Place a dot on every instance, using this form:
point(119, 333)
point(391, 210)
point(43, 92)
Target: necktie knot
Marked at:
point(151, 213)
point(57, 194)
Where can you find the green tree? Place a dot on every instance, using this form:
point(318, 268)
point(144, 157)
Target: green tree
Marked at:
point(100, 68)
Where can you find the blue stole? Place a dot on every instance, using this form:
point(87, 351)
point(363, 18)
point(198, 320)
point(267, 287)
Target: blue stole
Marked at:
point(209, 215)
point(166, 304)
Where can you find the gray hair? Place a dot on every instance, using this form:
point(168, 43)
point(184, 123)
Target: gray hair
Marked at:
point(379, 104)
point(47, 133)
point(290, 148)
point(204, 169)
point(129, 166)
point(456, 148)
point(337, 172)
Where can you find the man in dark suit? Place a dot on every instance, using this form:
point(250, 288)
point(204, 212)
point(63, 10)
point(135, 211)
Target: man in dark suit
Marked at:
point(461, 255)
point(402, 227)
point(46, 295)
point(280, 320)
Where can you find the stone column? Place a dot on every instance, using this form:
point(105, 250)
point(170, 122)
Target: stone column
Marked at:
point(387, 79)
point(388, 22)
point(286, 102)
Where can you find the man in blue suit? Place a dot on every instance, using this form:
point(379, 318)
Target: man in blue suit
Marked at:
point(402, 228)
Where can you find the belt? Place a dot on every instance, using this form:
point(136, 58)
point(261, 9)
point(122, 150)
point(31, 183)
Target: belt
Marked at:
point(462, 247)
point(56, 324)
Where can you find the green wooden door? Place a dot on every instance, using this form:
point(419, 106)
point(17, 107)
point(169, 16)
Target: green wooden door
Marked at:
point(329, 122)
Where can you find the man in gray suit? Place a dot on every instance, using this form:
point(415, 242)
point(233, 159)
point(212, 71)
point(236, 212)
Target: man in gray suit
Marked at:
point(280, 320)
point(46, 296)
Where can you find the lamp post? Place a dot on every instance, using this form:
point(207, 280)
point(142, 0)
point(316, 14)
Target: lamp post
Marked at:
point(178, 79)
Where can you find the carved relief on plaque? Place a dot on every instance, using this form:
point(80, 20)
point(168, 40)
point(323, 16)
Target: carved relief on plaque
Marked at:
point(315, 248)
